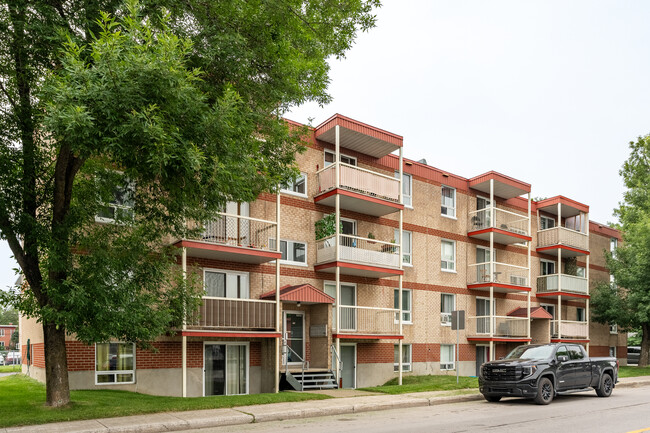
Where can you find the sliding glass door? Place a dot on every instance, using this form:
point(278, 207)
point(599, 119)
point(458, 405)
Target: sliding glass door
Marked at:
point(226, 369)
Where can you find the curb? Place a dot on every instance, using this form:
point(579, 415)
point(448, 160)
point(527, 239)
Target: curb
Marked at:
point(175, 421)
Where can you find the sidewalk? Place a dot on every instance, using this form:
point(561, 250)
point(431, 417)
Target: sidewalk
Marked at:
point(173, 421)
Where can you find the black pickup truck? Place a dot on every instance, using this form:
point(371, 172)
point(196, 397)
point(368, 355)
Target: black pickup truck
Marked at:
point(541, 372)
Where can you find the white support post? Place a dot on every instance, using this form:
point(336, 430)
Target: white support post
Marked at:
point(587, 319)
point(492, 270)
point(278, 311)
point(559, 316)
point(184, 337)
point(337, 249)
point(401, 263)
point(587, 312)
point(559, 275)
point(530, 281)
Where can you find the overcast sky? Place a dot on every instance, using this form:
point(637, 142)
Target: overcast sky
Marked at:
point(548, 92)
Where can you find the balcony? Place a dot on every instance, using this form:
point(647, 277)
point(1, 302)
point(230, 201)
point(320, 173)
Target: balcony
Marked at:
point(571, 243)
point(506, 278)
point(234, 238)
point(234, 314)
point(360, 190)
point(570, 330)
point(358, 256)
point(508, 227)
point(565, 285)
point(368, 322)
point(504, 328)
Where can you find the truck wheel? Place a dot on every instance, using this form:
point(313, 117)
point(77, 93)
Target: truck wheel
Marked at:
point(544, 391)
point(492, 398)
point(606, 386)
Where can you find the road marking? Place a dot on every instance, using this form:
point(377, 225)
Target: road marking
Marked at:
point(639, 431)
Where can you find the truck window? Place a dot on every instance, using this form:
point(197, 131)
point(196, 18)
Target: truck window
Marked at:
point(561, 351)
point(575, 352)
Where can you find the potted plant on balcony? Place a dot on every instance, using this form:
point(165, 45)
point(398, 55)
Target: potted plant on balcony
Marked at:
point(326, 227)
point(389, 248)
point(371, 236)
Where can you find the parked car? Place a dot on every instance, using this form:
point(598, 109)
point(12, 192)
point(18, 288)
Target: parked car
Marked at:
point(12, 358)
point(633, 354)
point(542, 371)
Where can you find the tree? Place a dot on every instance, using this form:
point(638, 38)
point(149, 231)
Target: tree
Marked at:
point(154, 118)
point(14, 339)
point(8, 315)
point(627, 302)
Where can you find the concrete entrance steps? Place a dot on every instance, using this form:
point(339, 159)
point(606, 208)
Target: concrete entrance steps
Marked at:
point(317, 380)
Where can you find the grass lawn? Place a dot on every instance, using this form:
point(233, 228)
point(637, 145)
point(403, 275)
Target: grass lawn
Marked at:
point(425, 383)
point(22, 402)
point(630, 371)
point(10, 368)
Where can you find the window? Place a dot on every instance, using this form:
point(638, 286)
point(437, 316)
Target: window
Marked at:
point(447, 357)
point(546, 223)
point(114, 363)
point(407, 245)
point(448, 202)
point(329, 159)
point(447, 305)
point(226, 284)
point(581, 272)
point(406, 358)
point(580, 314)
point(121, 205)
point(293, 252)
point(612, 351)
point(613, 328)
point(406, 304)
point(297, 187)
point(546, 267)
point(576, 352)
point(561, 351)
point(2, 345)
point(2, 332)
point(448, 255)
point(613, 244)
point(407, 189)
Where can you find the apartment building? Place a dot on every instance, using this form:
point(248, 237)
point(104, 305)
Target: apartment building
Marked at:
point(6, 331)
point(349, 275)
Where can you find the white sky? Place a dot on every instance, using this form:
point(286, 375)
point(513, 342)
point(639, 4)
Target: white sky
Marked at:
point(548, 92)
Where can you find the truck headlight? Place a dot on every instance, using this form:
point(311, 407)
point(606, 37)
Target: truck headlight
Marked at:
point(529, 370)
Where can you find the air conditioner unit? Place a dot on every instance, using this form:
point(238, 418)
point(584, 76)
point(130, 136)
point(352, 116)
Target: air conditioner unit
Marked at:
point(446, 366)
point(518, 281)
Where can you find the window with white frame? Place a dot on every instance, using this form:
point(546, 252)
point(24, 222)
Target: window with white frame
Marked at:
point(546, 222)
point(293, 252)
point(120, 206)
point(448, 202)
point(407, 245)
point(226, 284)
point(448, 255)
point(330, 156)
point(2, 332)
point(297, 187)
point(2, 345)
point(612, 351)
point(114, 363)
point(581, 272)
point(580, 314)
point(447, 357)
point(406, 305)
point(546, 267)
point(447, 305)
point(406, 358)
point(407, 189)
point(613, 328)
point(613, 244)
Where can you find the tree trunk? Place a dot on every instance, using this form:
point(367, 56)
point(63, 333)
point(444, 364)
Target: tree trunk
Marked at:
point(645, 345)
point(56, 366)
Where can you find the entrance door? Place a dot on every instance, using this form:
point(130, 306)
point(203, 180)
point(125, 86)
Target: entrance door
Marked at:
point(482, 356)
point(348, 314)
point(294, 332)
point(225, 369)
point(349, 359)
point(483, 313)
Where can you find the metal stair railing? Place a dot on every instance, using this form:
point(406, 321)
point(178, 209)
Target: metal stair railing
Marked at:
point(339, 370)
point(305, 364)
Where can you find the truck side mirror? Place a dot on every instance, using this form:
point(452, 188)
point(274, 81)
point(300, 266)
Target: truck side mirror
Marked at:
point(562, 358)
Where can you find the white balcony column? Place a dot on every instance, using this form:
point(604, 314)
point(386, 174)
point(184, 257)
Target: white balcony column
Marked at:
point(492, 224)
point(184, 337)
point(559, 316)
point(587, 319)
point(278, 313)
point(400, 281)
point(530, 281)
point(337, 156)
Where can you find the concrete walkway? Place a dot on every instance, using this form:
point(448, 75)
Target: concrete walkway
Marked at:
point(341, 404)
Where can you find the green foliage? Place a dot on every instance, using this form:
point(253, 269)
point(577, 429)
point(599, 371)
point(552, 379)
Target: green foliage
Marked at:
point(628, 302)
point(8, 315)
point(14, 338)
point(634, 337)
point(571, 266)
point(22, 398)
point(326, 226)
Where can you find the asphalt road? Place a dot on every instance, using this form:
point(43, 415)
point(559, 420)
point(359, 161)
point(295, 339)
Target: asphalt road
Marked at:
point(627, 410)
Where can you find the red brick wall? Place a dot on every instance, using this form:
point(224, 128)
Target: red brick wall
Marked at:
point(255, 356)
point(38, 355)
point(6, 339)
point(370, 353)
